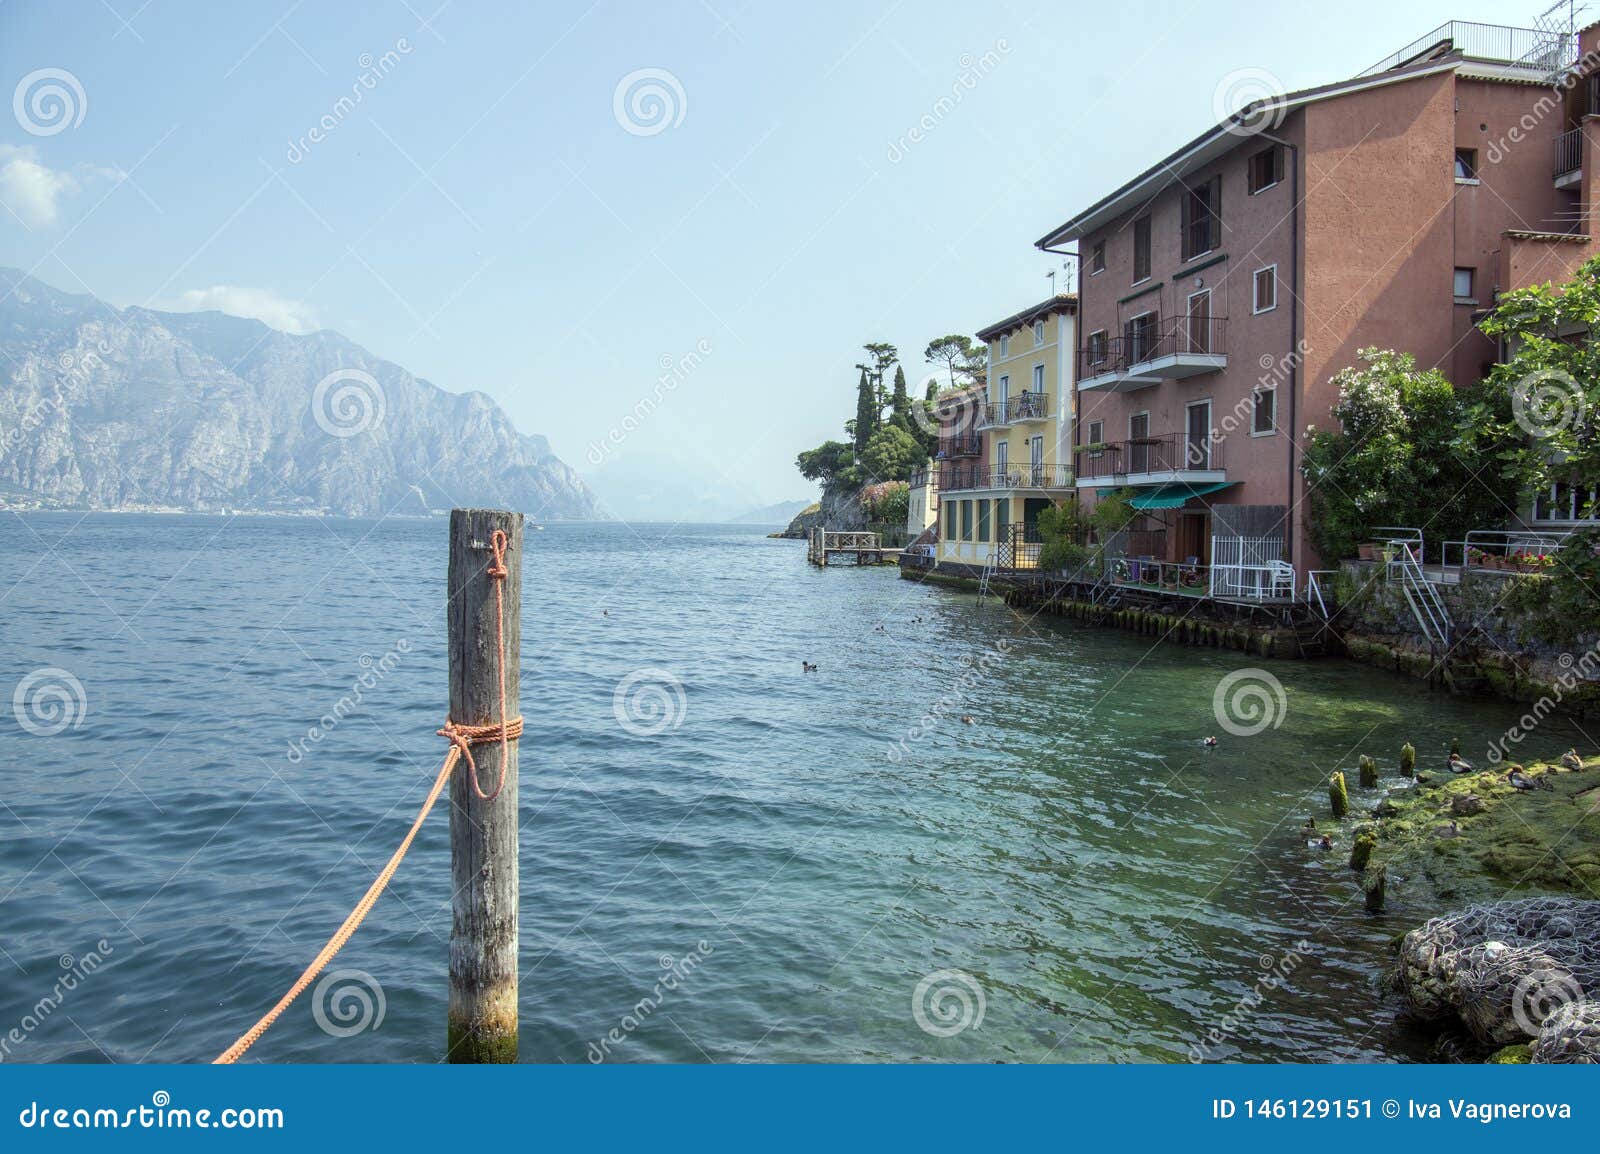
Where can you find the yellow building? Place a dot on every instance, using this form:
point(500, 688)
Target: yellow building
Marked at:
point(1023, 463)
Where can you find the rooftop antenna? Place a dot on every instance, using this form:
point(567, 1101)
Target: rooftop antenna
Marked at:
point(1555, 30)
point(1052, 275)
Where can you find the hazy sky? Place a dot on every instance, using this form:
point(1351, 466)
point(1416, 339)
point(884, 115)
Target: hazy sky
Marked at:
point(495, 213)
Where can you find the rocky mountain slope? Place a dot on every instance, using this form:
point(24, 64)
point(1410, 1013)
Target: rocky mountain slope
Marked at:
point(106, 408)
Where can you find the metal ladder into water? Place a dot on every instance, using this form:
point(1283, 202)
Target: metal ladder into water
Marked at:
point(1426, 604)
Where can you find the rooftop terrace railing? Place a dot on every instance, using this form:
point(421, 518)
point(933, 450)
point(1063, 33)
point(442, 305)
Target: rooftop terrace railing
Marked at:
point(1535, 49)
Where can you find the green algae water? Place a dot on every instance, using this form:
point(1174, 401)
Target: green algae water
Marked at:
point(724, 858)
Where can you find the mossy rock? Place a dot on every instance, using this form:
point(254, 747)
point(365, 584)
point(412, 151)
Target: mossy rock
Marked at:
point(1518, 1055)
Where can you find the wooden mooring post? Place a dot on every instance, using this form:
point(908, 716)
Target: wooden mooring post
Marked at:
point(483, 834)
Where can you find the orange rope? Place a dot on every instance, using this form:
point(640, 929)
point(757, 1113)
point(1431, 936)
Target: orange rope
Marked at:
point(462, 739)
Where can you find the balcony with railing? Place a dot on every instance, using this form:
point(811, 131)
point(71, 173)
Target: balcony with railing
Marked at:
point(1568, 164)
point(965, 445)
point(1020, 409)
point(1038, 478)
point(1538, 51)
point(1151, 350)
point(1172, 458)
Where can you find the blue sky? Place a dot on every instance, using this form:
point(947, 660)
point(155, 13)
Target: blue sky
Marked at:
point(485, 217)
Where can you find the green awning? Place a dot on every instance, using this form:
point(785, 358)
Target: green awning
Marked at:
point(1172, 496)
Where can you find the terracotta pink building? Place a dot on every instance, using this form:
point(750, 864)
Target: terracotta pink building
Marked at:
point(1223, 287)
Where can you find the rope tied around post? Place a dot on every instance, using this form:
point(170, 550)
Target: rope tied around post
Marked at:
point(462, 738)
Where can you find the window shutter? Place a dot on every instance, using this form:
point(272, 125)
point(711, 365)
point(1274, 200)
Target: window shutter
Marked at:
point(1277, 162)
point(1214, 203)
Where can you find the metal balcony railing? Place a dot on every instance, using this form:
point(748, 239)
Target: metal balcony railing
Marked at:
point(1569, 152)
point(969, 445)
point(1535, 49)
point(954, 478)
point(1170, 453)
point(1022, 407)
point(1198, 334)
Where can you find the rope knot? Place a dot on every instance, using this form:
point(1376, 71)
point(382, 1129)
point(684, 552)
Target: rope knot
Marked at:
point(464, 737)
point(497, 567)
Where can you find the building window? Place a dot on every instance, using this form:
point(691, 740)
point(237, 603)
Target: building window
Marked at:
point(1266, 412)
point(1202, 218)
point(949, 530)
point(1097, 435)
point(983, 521)
point(1002, 517)
point(1467, 164)
point(1097, 347)
point(1097, 257)
point(1266, 168)
point(1141, 249)
point(1005, 344)
point(1265, 291)
point(1463, 286)
point(1564, 501)
point(966, 520)
point(1038, 378)
point(1038, 333)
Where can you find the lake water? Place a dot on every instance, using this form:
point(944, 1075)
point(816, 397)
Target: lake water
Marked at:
point(1101, 886)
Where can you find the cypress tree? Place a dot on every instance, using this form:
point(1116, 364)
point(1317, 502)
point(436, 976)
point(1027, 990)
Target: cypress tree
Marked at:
point(866, 412)
point(900, 402)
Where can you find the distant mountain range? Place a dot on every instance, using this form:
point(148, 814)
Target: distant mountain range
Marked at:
point(106, 408)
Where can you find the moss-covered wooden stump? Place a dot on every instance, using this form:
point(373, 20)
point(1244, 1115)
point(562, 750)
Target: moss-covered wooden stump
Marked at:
point(1369, 772)
point(1373, 883)
point(1408, 760)
point(1338, 795)
point(1361, 852)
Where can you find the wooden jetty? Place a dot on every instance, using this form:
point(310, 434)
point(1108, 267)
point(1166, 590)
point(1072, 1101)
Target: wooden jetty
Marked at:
point(823, 546)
